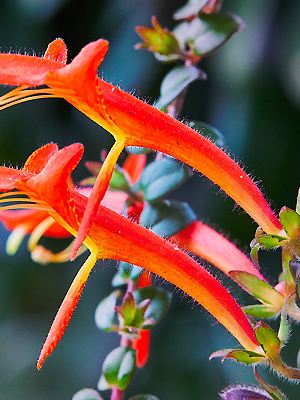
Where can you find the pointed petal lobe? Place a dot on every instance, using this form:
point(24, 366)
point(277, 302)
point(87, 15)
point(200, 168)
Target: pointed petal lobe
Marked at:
point(57, 51)
point(37, 161)
point(66, 310)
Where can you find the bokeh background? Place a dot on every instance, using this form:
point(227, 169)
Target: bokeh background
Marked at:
point(252, 96)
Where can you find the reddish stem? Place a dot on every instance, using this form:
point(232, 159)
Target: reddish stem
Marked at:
point(117, 394)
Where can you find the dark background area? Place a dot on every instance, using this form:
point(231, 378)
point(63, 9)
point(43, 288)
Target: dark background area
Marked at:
point(252, 96)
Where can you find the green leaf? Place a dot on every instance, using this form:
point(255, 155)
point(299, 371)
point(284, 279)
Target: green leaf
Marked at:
point(125, 272)
point(214, 31)
point(193, 7)
point(209, 132)
point(105, 311)
point(245, 357)
point(119, 366)
point(162, 177)
point(127, 309)
point(284, 328)
point(273, 391)
point(260, 311)
point(239, 355)
point(119, 180)
point(144, 397)
point(258, 288)
point(127, 369)
point(157, 39)
point(207, 33)
point(87, 394)
point(175, 82)
point(167, 218)
point(290, 220)
point(270, 241)
point(268, 339)
point(160, 302)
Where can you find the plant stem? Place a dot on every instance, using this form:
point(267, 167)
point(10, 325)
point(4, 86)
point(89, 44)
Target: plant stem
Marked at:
point(117, 394)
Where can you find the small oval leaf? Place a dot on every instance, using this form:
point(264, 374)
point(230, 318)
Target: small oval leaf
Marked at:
point(105, 311)
point(162, 177)
point(119, 366)
point(167, 217)
point(209, 131)
point(87, 394)
point(175, 82)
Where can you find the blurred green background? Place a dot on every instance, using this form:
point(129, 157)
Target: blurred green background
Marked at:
point(252, 96)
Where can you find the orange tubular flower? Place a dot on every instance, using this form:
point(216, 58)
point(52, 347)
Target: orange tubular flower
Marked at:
point(45, 182)
point(213, 247)
point(131, 121)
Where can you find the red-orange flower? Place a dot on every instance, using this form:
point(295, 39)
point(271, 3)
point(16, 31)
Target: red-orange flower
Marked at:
point(130, 121)
point(45, 181)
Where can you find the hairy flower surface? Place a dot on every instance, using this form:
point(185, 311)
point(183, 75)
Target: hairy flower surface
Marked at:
point(45, 181)
point(131, 121)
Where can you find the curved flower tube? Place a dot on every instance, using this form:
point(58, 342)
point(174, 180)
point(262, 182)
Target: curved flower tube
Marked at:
point(132, 123)
point(45, 179)
point(213, 247)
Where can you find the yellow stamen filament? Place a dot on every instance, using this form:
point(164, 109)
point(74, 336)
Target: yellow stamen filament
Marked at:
point(17, 199)
point(44, 256)
point(38, 232)
point(26, 207)
point(15, 239)
point(15, 193)
point(20, 96)
point(13, 92)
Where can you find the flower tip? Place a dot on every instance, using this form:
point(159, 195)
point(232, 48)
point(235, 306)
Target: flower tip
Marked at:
point(57, 51)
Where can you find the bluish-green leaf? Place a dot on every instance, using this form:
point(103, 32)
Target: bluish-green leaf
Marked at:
point(105, 311)
point(167, 218)
point(137, 150)
point(209, 132)
point(207, 33)
point(191, 8)
point(87, 394)
point(162, 177)
point(175, 82)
